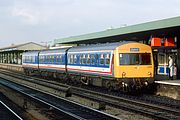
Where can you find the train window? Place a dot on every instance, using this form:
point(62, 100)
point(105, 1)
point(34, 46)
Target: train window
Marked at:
point(75, 59)
point(84, 59)
point(52, 60)
point(107, 59)
point(60, 59)
point(48, 59)
point(40, 59)
point(102, 59)
point(56, 59)
point(88, 59)
point(68, 59)
point(34, 59)
point(71, 59)
point(30, 58)
point(135, 59)
point(24, 58)
point(93, 59)
point(96, 59)
point(145, 59)
point(81, 58)
point(43, 59)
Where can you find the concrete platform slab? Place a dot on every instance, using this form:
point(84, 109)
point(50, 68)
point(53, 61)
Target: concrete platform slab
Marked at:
point(168, 88)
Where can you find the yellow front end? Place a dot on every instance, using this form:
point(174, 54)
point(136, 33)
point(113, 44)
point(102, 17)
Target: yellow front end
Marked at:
point(133, 60)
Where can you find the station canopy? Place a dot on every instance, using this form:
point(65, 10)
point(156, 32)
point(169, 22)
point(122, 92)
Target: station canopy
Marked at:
point(140, 32)
point(23, 47)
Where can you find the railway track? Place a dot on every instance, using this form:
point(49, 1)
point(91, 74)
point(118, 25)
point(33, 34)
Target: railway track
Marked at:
point(69, 109)
point(7, 113)
point(152, 110)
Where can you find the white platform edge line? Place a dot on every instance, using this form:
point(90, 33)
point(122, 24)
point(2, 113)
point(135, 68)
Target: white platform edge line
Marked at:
point(167, 83)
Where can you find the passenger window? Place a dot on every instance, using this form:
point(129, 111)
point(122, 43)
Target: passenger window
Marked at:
point(49, 59)
point(40, 59)
point(88, 59)
point(84, 59)
point(56, 59)
point(60, 59)
point(43, 59)
point(102, 59)
point(52, 59)
point(81, 59)
point(31, 59)
point(107, 59)
point(71, 59)
point(75, 59)
point(96, 59)
point(93, 59)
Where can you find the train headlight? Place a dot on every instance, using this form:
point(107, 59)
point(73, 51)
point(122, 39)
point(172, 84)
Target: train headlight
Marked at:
point(149, 73)
point(146, 83)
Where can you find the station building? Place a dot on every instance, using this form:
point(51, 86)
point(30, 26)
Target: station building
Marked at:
point(162, 35)
point(13, 53)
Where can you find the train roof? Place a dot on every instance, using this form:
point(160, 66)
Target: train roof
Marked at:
point(31, 53)
point(59, 50)
point(97, 47)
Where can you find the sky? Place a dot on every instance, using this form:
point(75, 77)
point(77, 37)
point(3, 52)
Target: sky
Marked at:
point(42, 21)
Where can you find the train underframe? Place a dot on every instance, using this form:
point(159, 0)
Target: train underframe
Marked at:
point(123, 84)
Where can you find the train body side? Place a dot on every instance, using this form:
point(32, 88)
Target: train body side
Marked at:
point(53, 60)
point(92, 60)
point(30, 61)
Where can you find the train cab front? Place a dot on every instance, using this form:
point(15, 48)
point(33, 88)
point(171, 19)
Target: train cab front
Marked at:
point(134, 66)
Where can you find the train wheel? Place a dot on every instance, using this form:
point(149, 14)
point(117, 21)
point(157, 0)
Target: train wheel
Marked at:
point(26, 72)
point(109, 87)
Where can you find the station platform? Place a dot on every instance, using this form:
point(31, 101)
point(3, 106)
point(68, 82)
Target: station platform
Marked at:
point(14, 67)
point(168, 88)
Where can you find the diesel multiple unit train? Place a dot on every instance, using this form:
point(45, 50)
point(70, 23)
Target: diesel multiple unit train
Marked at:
point(124, 65)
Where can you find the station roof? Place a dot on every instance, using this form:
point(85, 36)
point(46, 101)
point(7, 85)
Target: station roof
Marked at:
point(25, 46)
point(162, 28)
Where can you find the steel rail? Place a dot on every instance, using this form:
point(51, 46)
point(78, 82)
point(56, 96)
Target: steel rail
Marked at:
point(10, 112)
